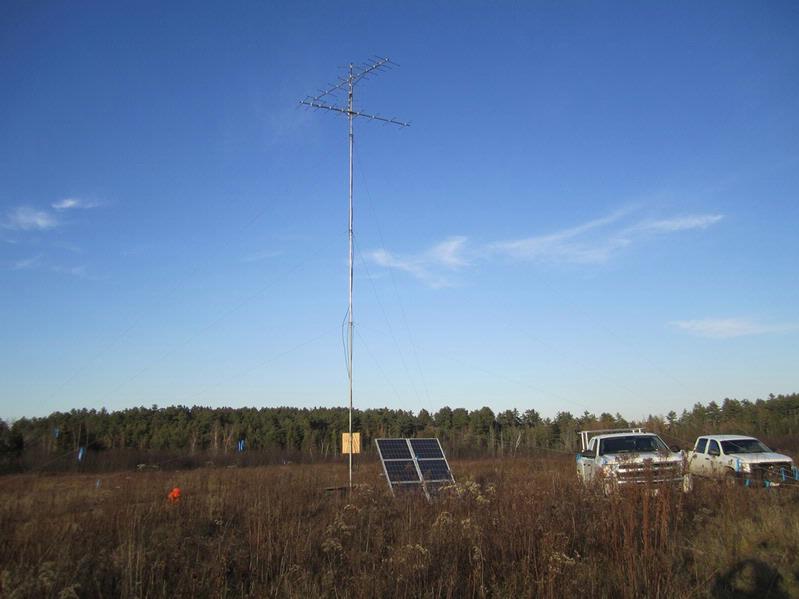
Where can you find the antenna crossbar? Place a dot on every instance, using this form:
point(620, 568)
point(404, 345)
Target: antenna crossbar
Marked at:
point(374, 117)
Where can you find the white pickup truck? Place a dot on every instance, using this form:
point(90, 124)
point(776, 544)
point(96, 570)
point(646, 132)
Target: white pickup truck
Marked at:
point(632, 456)
point(737, 458)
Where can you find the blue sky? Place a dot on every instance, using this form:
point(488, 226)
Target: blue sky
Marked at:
point(595, 206)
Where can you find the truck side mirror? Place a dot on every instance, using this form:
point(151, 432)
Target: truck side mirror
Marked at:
point(588, 453)
point(675, 448)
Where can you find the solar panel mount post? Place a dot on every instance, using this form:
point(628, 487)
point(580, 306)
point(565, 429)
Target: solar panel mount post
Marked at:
point(408, 462)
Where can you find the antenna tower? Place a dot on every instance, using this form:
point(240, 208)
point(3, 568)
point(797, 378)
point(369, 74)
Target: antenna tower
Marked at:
point(355, 73)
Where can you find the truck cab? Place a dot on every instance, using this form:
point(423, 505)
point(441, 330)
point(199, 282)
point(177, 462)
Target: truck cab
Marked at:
point(631, 456)
point(739, 457)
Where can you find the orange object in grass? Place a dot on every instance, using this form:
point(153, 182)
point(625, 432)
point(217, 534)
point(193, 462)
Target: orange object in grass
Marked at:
point(174, 495)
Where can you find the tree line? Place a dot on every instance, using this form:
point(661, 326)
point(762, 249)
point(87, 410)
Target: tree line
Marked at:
point(315, 433)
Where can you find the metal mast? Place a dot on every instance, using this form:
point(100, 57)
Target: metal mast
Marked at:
point(354, 74)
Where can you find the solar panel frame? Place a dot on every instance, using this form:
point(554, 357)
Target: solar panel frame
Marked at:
point(397, 450)
point(427, 459)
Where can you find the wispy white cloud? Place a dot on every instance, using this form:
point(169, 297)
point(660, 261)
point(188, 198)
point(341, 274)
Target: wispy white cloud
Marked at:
point(42, 263)
point(448, 253)
point(598, 240)
point(81, 271)
point(725, 328)
point(75, 203)
point(25, 218)
point(27, 263)
point(28, 218)
point(427, 266)
point(592, 242)
point(578, 244)
point(680, 223)
point(68, 246)
point(385, 258)
point(27, 222)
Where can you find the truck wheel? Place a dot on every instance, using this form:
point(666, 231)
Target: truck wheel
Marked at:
point(730, 479)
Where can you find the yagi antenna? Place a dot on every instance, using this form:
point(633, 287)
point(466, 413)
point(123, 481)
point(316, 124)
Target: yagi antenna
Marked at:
point(322, 101)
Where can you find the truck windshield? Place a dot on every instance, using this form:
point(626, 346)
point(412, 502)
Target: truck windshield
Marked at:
point(631, 444)
point(744, 446)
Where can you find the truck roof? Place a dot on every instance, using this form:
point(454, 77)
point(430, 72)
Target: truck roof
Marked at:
point(725, 437)
point(612, 435)
point(604, 433)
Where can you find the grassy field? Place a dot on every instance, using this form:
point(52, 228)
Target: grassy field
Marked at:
point(509, 528)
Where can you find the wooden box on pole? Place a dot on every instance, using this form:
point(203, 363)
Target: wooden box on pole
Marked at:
point(345, 443)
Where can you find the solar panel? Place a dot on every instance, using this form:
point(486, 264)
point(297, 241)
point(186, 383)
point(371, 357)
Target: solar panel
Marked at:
point(394, 449)
point(427, 448)
point(435, 470)
point(401, 471)
point(414, 463)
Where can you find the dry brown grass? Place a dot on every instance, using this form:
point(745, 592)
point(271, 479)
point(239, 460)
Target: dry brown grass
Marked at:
point(510, 528)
